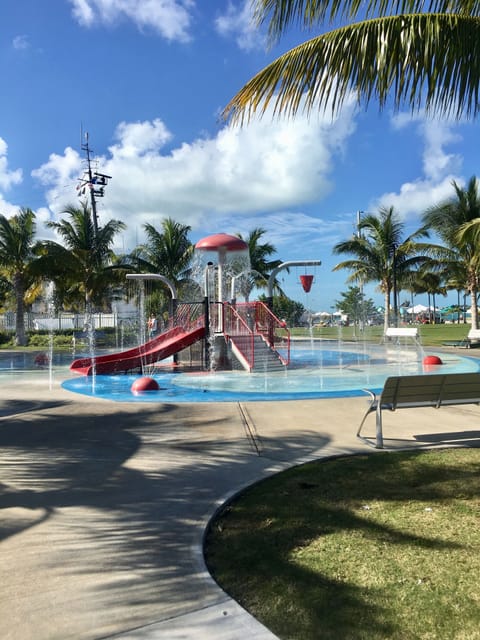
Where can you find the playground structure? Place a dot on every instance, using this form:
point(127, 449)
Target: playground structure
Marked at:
point(234, 335)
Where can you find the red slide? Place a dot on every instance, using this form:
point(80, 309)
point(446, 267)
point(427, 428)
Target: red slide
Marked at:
point(162, 346)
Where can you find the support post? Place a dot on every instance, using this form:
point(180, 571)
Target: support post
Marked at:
point(286, 265)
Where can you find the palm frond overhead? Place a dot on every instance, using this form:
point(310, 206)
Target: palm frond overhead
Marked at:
point(281, 14)
point(427, 60)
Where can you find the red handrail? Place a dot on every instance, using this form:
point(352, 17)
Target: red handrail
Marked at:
point(188, 316)
point(236, 329)
point(255, 318)
point(272, 328)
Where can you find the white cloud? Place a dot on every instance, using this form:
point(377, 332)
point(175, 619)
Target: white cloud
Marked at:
point(83, 12)
point(295, 231)
point(21, 43)
point(140, 138)
point(237, 22)
point(439, 167)
point(436, 162)
point(415, 197)
point(60, 175)
point(8, 178)
point(170, 18)
point(8, 209)
point(436, 135)
point(265, 167)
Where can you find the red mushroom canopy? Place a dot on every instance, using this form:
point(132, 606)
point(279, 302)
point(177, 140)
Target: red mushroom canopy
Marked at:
point(221, 241)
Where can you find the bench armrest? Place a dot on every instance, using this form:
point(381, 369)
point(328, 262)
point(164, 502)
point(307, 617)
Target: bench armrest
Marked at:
point(372, 407)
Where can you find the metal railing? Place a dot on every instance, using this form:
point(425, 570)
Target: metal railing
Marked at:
point(255, 318)
point(237, 329)
point(273, 329)
point(188, 315)
point(63, 321)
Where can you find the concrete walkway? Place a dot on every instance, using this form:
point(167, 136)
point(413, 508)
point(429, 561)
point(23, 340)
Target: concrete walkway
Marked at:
point(103, 506)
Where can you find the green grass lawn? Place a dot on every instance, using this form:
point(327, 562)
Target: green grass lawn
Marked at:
point(367, 547)
point(430, 334)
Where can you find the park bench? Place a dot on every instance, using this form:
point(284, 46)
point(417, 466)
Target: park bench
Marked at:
point(472, 340)
point(430, 390)
point(83, 337)
point(397, 333)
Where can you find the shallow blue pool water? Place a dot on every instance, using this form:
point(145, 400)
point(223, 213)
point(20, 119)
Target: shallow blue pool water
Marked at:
point(314, 372)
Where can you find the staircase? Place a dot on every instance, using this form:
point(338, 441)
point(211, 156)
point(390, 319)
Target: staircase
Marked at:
point(266, 358)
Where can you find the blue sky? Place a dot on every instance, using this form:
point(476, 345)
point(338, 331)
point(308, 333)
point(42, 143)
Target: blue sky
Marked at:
point(148, 80)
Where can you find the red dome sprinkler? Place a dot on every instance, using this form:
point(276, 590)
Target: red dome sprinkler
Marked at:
point(306, 281)
point(144, 384)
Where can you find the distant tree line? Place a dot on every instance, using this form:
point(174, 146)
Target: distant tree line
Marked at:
point(88, 275)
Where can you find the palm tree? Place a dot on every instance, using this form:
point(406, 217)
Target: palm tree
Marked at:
point(260, 266)
point(431, 283)
point(381, 254)
point(17, 255)
point(85, 264)
point(456, 282)
point(420, 53)
point(167, 252)
point(456, 221)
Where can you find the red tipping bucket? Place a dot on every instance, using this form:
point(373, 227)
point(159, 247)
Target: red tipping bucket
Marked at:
point(306, 282)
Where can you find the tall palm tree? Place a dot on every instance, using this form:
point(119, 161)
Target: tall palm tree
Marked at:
point(381, 254)
point(455, 281)
point(17, 255)
point(421, 53)
point(167, 252)
point(431, 283)
point(85, 263)
point(456, 221)
point(260, 265)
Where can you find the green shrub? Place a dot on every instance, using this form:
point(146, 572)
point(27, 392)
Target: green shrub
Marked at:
point(6, 339)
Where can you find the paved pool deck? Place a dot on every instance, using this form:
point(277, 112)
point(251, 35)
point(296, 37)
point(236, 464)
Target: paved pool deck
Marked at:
point(103, 505)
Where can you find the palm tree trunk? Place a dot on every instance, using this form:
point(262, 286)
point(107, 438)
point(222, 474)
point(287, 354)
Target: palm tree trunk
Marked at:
point(386, 322)
point(474, 292)
point(19, 288)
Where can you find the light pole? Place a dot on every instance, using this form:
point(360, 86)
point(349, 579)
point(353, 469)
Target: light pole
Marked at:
point(394, 284)
point(363, 319)
point(94, 182)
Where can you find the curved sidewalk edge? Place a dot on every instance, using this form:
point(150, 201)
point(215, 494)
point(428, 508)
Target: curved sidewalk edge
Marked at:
point(109, 502)
point(225, 621)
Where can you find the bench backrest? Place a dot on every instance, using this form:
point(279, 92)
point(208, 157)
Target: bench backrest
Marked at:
point(432, 390)
point(401, 332)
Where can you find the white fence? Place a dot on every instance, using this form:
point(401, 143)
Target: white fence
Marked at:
point(65, 321)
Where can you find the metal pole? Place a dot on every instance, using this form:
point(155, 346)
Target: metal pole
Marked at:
point(154, 276)
point(170, 285)
point(207, 332)
point(286, 265)
point(395, 301)
point(91, 187)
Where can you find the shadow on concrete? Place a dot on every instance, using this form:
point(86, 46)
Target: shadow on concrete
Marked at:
point(15, 407)
point(297, 446)
point(463, 438)
point(125, 492)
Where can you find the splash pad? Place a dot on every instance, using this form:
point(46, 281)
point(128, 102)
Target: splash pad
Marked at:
point(320, 370)
point(243, 351)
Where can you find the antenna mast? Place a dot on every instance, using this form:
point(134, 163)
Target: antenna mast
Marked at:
point(94, 181)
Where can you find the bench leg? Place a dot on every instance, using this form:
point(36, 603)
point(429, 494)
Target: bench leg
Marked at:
point(379, 435)
point(371, 408)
